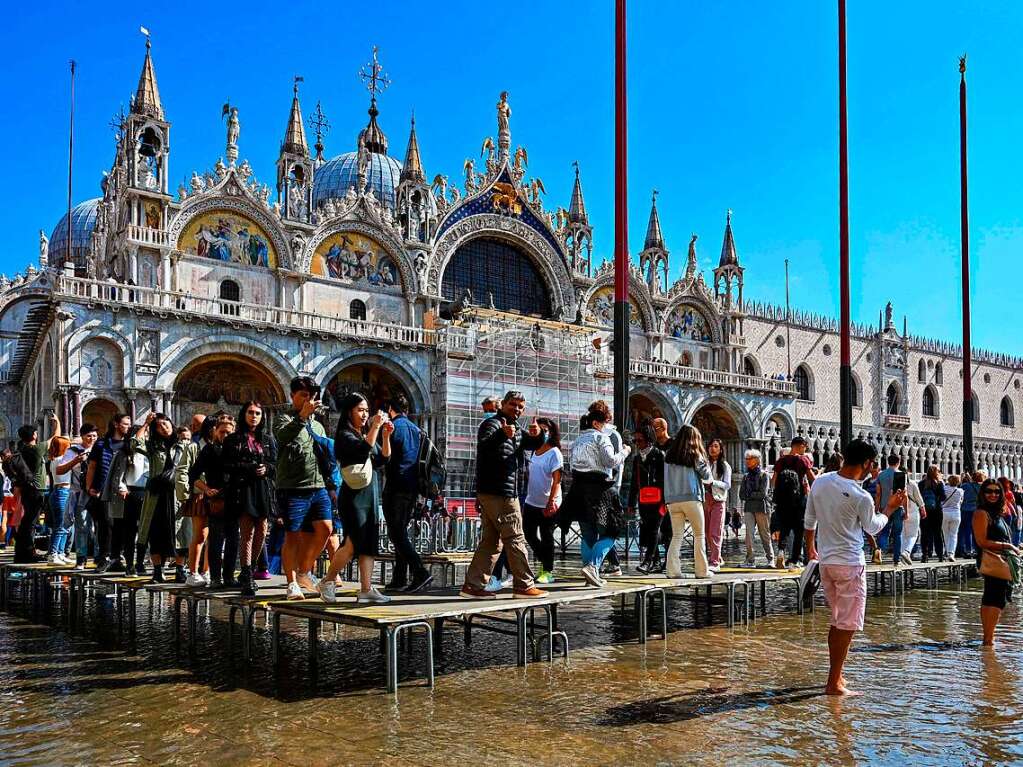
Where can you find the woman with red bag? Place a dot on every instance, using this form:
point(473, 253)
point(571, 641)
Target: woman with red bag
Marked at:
point(543, 498)
point(646, 495)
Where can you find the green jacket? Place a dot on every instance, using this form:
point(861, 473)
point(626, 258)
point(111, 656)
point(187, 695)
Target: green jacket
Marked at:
point(297, 468)
point(182, 487)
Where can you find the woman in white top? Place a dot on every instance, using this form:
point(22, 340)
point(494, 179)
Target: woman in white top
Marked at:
point(714, 502)
point(543, 498)
point(951, 516)
point(60, 490)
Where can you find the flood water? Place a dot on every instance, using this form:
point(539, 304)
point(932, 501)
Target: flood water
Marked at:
point(707, 696)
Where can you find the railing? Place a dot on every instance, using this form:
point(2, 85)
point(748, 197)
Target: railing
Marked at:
point(95, 291)
point(893, 421)
point(148, 236)
point(712, 378)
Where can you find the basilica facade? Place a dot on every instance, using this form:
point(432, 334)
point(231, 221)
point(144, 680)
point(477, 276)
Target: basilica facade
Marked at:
point(366, 274)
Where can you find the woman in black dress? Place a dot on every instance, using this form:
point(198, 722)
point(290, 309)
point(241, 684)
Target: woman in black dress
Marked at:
point(991, 533)
point(250, 458)
point(208, 476)
point(355, 444)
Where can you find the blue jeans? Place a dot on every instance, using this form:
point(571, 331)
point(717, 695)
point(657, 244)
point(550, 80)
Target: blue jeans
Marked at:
point(966, 544)
point(299, 508)
point(58, 522)
point(893, 532)
point(83, 524)
point(594, 548)
point(1016, 531)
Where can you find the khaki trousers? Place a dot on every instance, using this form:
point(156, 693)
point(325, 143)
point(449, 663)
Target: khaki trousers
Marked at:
point(501, 522)
point(691, 512)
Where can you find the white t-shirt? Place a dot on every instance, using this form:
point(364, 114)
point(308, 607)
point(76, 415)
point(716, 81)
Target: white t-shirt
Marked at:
point(541, 477)
point(952, 507)
point(62, 480)
point(842, 511)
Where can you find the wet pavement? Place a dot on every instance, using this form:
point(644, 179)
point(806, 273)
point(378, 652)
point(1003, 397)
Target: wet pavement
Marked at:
point(707, 696)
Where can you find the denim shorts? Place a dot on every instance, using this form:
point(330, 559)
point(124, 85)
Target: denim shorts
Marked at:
point(300, 508)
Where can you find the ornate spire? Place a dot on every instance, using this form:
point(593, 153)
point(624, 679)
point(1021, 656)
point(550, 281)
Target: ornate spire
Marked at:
point(577, 208)
point(322, 127)
point(654, 238)
point(691, 266)
point(147, 95)
point(728, 254)
point(294, 136)
point(376, 82)
point(412, 168)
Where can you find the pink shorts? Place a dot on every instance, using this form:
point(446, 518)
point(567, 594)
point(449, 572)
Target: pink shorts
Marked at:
point(845, 587)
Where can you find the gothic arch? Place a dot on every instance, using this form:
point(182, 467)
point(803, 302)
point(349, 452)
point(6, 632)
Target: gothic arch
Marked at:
point(391, 245)
point(223, 343)
point(551, 263)
point(417, 387)
point(668, 407)
point(734, 409)
point(704, 306)
point(639, 294)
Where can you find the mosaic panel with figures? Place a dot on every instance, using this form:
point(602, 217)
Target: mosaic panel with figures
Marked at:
point(688, 323)
point(355, 258)
point(602, 309)
point(225, 236)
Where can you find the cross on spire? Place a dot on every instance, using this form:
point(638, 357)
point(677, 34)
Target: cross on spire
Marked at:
point(117, 123)
point(322, 126)
point(374, 76)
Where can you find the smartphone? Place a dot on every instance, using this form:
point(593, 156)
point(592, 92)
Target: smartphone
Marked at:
point(899, 481)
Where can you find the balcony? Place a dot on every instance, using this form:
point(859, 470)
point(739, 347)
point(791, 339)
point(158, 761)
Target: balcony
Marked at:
point(118, 296)
point(895, 421)
point(712, 379)
point(143, 235)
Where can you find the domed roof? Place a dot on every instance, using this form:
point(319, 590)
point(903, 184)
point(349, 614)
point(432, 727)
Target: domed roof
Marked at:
point(334, 177)
point(83, 221)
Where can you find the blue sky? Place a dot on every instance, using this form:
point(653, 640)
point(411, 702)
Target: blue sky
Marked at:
point(732, 105)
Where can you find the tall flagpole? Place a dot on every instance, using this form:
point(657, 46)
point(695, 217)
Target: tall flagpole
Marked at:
point(964, 227)
point(788, 323)
point(621, 317)
point(70, 161)
point(845, 371)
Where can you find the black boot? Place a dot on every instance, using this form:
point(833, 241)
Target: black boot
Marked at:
point(179, 574)
point(140, 559)
point(157, 573)
point(245, 581)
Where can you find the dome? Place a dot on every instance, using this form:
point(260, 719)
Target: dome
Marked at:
point(332, 179)
point(83, 221)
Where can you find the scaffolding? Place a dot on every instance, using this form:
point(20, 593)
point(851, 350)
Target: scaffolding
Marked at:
point(559, 367)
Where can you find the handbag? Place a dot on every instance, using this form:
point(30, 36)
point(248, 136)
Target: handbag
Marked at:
point(994, 566)
point(650, 495)
point(358, 475)
point(194, 506)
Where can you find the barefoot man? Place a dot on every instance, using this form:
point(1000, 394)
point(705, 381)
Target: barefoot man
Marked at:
point(838, 512)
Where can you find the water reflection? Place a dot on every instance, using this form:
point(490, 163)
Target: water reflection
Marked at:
point(707, 696)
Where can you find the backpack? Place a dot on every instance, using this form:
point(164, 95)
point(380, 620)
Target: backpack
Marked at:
point(77, 473)
point(430, 470)
point(788, 490)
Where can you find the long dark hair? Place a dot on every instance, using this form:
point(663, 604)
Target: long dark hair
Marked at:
point(348, 403)
point(994, 510)
point(553, 432)
point(686, 449)
point(158, 439)
point(243, 424)
point(719, 464)
point(126, 448)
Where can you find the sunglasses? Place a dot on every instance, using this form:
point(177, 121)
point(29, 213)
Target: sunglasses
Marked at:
point(992, 491)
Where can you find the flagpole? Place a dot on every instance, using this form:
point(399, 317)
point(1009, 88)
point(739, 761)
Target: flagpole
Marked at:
point(788, 322)
point(845, 371)
point(621, 312)
point(964, 229)
point(70, 162)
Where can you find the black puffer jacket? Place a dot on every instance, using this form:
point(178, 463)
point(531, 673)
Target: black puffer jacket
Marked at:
point(498, 457)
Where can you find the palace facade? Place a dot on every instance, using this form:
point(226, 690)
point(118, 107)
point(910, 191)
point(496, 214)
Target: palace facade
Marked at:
point(366, 274)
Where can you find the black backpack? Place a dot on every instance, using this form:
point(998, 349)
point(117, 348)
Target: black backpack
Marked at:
point(430, 469)
point(788, 490)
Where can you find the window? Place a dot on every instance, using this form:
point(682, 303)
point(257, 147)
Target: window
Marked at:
point(493, 269)
point(802, 378)
point(230, 295)
point(893, 400)
point(1007, 412)
point(921, 373)
point(357, 310)
point(855, 393)
point(930, 403)
point(749, 366)
point(976, 407)
point(937, 374)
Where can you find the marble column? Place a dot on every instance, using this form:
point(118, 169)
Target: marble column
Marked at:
point(130, 394)
point(76, 409)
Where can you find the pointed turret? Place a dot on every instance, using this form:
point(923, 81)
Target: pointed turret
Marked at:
point(412, 168)
point(294, 136)
point(372, 136)
point(147, 95)
point(577, 208)
point(691, 266)
point(654, 237)
point(728, 254)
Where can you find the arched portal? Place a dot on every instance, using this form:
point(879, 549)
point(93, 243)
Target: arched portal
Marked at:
point(374, 382)
point(715, 422)
point(98, 412)
point(225, 382)
point(646, 405)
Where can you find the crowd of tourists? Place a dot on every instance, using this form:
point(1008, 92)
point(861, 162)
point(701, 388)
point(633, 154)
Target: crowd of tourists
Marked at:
point(221, 501)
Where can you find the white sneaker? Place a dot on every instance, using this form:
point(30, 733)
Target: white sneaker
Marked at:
point(714, 568)
point(327, 590)
point(494, 585)
point(55, 559)
point(205, 578)
point(195, 579)
point(906, 558)
point(591, 576)
point(307, 581)
point(294, 592)
point(372, 597)
point(80, 565)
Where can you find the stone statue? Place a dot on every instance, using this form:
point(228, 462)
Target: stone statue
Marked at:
point(455, 195)
point(562, 218)
point(264, 195)
point(362, 161)
point(196, 183)
point(245, 170)
point(44, 248)
point(182, 192)
point(470, 175)
point(234, 130)
point(487, 148)
point(521, 159)
point(220, 170)
point(536, 188)
point(503, 115)
point(888, 315)
point(440, 187)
